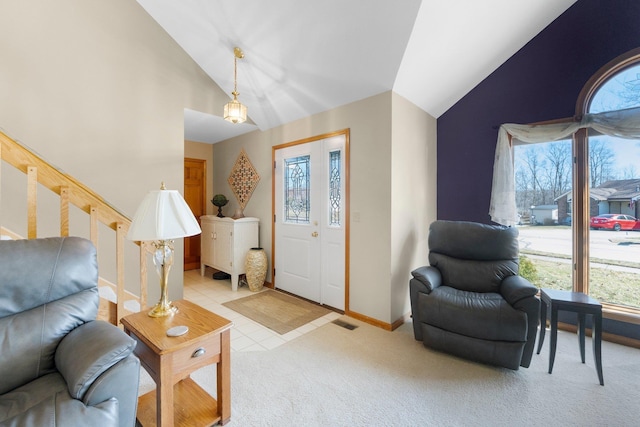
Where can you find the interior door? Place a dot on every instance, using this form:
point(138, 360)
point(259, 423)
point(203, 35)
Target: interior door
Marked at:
point(310, 220)
point(195, 195)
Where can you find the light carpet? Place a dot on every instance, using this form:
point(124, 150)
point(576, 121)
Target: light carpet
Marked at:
point(370, 377)
point(277, 311)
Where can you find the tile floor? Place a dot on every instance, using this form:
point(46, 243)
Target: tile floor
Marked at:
point(246, 335)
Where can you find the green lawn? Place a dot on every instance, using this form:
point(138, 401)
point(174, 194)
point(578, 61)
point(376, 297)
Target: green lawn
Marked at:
point(607, 284)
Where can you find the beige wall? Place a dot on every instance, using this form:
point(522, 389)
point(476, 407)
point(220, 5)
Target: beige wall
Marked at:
point(99, 89)
point(372, 215)
point(413, 196)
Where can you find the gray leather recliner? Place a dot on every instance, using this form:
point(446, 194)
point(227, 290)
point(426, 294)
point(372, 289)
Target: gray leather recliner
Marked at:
point(470, 301)
point(58, 365)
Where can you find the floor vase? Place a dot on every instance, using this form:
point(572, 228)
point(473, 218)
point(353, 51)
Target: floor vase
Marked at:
point(256, 268)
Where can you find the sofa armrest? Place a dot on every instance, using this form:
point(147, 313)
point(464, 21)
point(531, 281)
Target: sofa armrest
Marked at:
point(88, 351)
point(516, 288)
point(429, 276)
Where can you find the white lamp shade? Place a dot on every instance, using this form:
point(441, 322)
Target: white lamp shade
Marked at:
point(163, 215)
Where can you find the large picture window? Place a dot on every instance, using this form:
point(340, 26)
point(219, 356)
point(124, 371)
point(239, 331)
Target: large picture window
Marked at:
point(591, 207)
point(613, 168)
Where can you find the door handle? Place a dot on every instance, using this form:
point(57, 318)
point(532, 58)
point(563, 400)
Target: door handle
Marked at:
point(314, 234)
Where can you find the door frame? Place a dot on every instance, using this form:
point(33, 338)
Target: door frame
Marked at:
point(347, 195)
point(202, 162)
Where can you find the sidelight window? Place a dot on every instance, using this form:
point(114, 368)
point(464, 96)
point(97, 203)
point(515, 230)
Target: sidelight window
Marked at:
point(335, 196)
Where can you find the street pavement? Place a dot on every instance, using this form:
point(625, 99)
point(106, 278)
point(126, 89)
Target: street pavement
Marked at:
point(557, 240)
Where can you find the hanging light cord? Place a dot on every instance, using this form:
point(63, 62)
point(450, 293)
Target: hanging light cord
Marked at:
point(237, 54)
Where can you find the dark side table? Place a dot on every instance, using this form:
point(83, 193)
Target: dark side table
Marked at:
point(581, 304)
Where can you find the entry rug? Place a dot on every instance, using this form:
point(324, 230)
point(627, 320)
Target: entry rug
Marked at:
point(279, 312)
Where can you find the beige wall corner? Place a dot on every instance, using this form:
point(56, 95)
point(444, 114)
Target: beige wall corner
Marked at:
point(413, 196)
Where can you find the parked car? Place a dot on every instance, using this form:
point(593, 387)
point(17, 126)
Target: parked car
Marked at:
point(614, 222)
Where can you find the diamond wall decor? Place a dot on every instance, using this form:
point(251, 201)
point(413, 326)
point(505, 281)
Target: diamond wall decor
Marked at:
point(243, 179)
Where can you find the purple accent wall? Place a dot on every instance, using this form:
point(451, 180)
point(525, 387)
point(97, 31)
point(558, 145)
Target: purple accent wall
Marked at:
point(540, 82)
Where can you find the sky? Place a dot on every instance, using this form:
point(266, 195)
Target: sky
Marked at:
point(620, 92)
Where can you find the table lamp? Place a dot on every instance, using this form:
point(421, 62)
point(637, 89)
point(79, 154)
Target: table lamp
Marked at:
point(163, 216)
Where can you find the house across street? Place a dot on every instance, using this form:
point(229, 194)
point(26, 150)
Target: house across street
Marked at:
point(618, 196)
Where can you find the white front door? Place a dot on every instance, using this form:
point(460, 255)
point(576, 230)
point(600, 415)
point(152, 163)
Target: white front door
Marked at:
point(310, 220)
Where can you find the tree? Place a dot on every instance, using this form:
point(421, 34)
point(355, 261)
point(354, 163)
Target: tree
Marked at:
point(523, 193)
point(532, 186)
point(535, 166)
point(630, 172)
point(601, 159)
point(558, 155)
point(630, 96)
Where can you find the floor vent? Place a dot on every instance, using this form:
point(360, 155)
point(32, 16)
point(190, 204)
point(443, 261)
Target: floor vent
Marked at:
point(344, 324)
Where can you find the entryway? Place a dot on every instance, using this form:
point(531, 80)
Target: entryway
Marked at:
point(310, 183)
point(248, 336)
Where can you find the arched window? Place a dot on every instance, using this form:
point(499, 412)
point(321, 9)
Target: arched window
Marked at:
point(601, 145)
point(607, 171)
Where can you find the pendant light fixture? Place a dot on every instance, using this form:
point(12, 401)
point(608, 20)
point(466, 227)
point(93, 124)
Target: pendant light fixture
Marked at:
point(234, 111)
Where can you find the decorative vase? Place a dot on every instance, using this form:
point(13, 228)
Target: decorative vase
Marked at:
point(238, 214)
point(256, 268)
point(219, 200)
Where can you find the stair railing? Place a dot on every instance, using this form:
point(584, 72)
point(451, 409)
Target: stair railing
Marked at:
point(73, 192)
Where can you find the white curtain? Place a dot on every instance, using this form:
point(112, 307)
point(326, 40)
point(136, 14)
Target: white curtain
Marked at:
point(621, 123)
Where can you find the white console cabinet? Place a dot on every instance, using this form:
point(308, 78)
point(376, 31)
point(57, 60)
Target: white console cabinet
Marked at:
point(225, 243)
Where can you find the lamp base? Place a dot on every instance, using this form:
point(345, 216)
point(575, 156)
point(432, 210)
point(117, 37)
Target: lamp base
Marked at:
point(162, 310)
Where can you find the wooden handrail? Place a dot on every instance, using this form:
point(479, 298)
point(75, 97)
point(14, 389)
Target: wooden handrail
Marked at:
point(73, 192)
point(52, 178)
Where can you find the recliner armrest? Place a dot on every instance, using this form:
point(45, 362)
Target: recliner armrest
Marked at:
point(88, 351)
point(521, 294)
point(429, 276)
point(516, 288)
point(425, 280)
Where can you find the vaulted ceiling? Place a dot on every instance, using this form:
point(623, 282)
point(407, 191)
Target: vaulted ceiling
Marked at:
point(304, 57)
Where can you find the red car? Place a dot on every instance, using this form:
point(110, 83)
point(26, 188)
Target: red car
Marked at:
point(615, 222)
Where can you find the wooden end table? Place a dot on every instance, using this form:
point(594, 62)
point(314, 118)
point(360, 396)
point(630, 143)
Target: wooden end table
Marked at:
point(170, 361)
point(576, 302)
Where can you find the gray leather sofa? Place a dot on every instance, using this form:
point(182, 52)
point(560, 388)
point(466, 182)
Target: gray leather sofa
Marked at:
point(470, 301)
point(58, 365)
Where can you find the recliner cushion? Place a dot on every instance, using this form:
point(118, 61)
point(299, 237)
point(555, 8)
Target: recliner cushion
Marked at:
point(50, 289)
point(473, 275)
point(45, 270)
point(480, 315)
point(46, 402)
point(81, 359)
point(471, 256)
point(471, 240)
point(29, 339)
